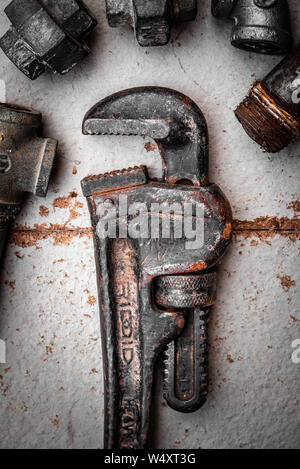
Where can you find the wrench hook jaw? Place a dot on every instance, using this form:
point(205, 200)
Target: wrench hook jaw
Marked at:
point(171, 119)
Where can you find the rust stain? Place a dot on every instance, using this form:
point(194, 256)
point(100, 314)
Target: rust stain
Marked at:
point(92, 300)
point(74, 170)
point(73, 212)
point(55, 421)
point(181, 323)
point(229, 359)
point(294, 318)
point(228, 231)
point(25, 237)
point(18, 255)
point(149, 146)
point(44, 211)
point(198, 266)
point(11, 284)
point(286, 282)
point(262, 228)
point(268, 227)
point(294, 205)
point(64, 202)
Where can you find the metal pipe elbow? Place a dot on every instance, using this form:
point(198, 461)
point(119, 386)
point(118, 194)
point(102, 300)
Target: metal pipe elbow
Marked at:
point(261, 26)
point(26, 159)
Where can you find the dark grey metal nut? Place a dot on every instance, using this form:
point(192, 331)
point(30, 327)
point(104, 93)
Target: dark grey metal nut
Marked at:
point(261, 26)
point(46, 34)
point(150, 19)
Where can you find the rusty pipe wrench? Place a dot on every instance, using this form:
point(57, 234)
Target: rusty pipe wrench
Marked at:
point(26, 161)
point(135, 262)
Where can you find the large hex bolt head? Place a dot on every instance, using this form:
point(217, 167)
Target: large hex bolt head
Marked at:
point(150, 19)
point(46, 34)
point(261, 26)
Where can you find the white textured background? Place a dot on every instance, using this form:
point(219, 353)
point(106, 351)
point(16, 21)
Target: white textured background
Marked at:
point(51, 388)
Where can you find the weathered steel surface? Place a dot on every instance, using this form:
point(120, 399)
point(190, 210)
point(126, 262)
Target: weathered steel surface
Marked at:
point(270, 114)
point(52, 395)
point(47, 35)
point(261, 26)
point(131, 293)
point(150, 19)
point(25, 161)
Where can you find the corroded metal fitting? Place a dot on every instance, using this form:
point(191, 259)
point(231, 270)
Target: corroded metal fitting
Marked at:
point(270, 114)
point(25, 161)
point(150, 19)
point(153, 289)
point(261, 26)
point(47, 35)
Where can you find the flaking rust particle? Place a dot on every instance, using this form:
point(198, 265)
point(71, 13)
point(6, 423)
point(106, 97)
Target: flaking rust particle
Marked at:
point(149, 146)
point(286, 282)
point(44, 211)
point(25, 237)
point(65, 201)
point(294, 205)
point(92, 300)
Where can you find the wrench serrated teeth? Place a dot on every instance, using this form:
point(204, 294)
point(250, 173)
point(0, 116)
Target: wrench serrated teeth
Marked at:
point(115, 179)
point(166, 370)
point(154, 128)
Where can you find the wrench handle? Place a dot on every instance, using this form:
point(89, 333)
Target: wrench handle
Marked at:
point(133, 335)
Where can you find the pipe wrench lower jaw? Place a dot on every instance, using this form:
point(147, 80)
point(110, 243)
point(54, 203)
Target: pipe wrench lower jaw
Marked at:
point(136, 324)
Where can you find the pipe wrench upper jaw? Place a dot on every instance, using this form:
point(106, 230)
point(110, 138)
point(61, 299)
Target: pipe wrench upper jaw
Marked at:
point(114, 180)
